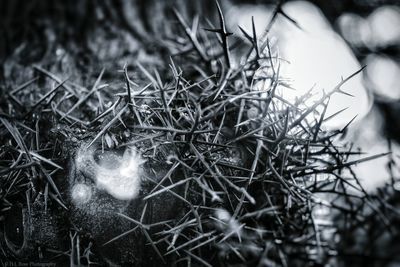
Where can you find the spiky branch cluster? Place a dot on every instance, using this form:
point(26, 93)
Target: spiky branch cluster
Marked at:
point(254, 172)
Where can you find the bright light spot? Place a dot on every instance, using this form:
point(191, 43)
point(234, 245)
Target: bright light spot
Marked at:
point(384, 23)
point(354, 29)
point(318, 57)
point(241, 16)
point(229, 224)
point(380, 29)
point(81, 193)
point(396, 186)
point(120, 177)
point(223, 215)
point(307, 15)
point(383, 74)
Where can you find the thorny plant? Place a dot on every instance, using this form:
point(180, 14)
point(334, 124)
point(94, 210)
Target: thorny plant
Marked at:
point(257, 171)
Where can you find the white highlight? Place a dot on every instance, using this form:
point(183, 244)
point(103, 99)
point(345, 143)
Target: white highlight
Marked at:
point(380, 29)
point(318, 57)
point(120, 176)
point(223, 215)
point(227, 222)
point(81, 193)
point(384, 23)
point(384, 73)
point(355, 29)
